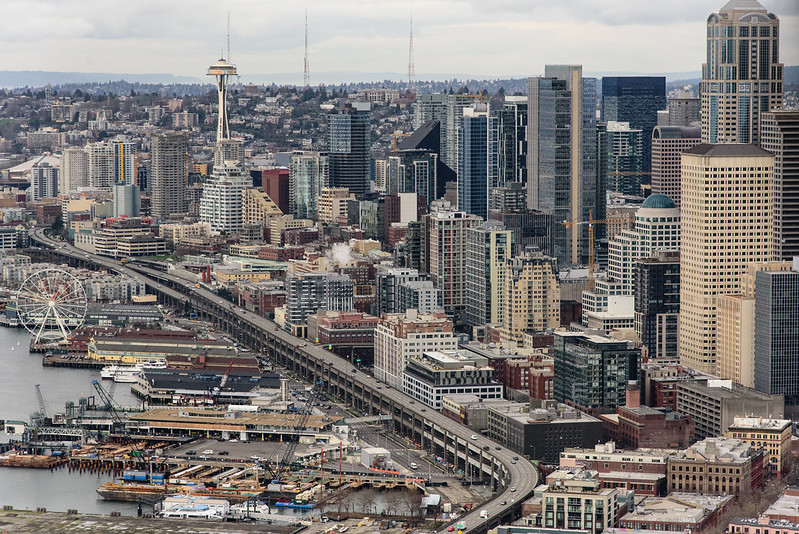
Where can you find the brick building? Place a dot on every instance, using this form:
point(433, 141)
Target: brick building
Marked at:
point(643, 471)
point(716, 466)
point(679, 512)
point(348, 334)
point(535, 375)
point(634, 426)
point(274, 253)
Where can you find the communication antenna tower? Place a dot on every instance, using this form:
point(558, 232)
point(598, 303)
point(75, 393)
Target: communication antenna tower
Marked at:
point(411, 66)
point(306, 71)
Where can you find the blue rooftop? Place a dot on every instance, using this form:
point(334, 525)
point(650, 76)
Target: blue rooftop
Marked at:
point(658, 202)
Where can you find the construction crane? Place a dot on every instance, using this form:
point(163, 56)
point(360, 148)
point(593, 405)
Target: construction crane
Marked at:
point(285, 463)
point(394, 136)
point(590, 222)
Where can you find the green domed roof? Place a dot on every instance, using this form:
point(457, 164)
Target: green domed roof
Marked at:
point(658, 202)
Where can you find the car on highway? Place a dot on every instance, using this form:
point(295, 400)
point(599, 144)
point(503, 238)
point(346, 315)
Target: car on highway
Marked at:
point(503, 503)
point(191, 453)
point(512, 490)
point(474, 436)
point(451, 529)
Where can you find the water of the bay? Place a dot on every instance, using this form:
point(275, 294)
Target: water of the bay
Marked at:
point(57, 490)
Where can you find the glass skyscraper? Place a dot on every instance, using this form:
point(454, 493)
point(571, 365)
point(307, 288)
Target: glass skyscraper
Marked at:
point(478, 165)
point(349, 132)
point(562, 155)
point(636, 100)
point(777, 334)
point(742, 75)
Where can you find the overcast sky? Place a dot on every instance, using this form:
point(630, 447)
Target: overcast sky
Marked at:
point(495, 38)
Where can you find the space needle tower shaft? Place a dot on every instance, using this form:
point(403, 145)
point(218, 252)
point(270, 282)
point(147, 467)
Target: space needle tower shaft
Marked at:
point(222, 70)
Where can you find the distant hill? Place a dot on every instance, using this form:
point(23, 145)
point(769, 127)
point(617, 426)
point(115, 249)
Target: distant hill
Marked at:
point(790, 75)
point(39, 78)
point(36, 79)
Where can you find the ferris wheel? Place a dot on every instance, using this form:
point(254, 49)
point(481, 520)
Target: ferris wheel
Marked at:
point(50, 303)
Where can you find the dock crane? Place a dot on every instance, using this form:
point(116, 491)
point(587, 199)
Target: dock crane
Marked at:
point(118, 423)
point(590, 222)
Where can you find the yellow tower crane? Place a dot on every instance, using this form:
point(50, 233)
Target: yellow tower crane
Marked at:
point(394, 136)
point(590, 222)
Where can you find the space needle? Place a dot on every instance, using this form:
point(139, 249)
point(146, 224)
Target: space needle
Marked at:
point(222, 70)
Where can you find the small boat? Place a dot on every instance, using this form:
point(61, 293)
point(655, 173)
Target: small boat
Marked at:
point(294, 503)
point(129, 373)
point(120, 373)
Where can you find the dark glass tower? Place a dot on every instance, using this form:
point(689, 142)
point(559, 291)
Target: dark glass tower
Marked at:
point(637, 100)
point(349, 147)
point(657, 303)
point(777, 334)
point(478, 160)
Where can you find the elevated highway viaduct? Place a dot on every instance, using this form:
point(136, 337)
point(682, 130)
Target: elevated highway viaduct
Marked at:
point(512, 480)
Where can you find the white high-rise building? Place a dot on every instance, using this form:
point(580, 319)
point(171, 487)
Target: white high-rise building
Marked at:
point(657, 227)
point(44, 181)
point(112, 163)
point(727, 223)
point(221, 203)
point(74, 170)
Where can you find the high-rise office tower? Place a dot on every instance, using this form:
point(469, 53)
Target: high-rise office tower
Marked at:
point(727, 223)
point(489, 246)
point(349, 147)
point(562, 154)
point(592, 372)
point(388, 279)
point(735, 326)
point(657, 303)
point(531, 228)
point(168, 174)
point(447, 110)
point(684, 110)
point(780, 136)
point(452, 128)
point(668, 144)
point(636, 100)
point(742, 73)
point(512, 141)
point(44, 181)
point(776, 343)
point(445, 252)
point(622, 160)
point(74, 170)
point(309, 172)
point(478, 168)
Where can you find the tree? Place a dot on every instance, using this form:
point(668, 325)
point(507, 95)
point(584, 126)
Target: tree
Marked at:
point(366, 500)
point(57, 226)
